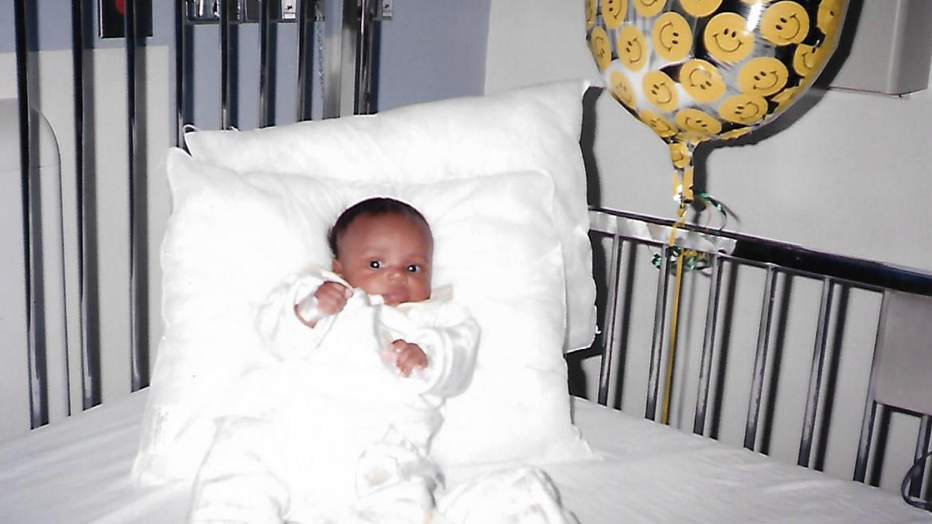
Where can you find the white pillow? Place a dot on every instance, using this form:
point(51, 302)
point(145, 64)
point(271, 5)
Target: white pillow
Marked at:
point(529, 128)
point(233, 236)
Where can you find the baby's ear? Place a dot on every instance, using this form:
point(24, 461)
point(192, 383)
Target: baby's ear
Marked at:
point(337, 267)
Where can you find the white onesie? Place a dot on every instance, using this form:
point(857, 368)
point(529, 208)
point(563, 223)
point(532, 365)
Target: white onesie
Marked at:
point(329, 430)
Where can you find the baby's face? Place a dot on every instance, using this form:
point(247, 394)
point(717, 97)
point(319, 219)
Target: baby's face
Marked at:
point(388, 255)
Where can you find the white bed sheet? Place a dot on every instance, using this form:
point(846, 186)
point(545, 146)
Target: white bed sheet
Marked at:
point(78, 472)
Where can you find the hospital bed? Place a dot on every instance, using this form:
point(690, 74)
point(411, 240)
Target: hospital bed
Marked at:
point(700, 377)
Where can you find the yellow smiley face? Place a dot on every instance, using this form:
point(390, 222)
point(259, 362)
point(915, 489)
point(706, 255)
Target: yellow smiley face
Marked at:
point(829, 16)
point(743, 109)
point(735, 133)
point(785, 98)
point(702, 81)
point(660, 90)
point(785, 23)
point(657, 123)
point(697, 125)
point(632, 48)
point(601, 49)
point(727, 37)
point(622, 90)
point(700, 7)
point(672, 36)
point(649, 7)
point(613, 12)
point(762, 76)
point(590, 13)
point(808, 59)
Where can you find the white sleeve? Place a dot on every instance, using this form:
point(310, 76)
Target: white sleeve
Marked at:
point(277, 322)
point(449, 342)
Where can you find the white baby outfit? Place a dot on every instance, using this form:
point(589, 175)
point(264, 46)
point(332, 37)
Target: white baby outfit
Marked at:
point(328, 431)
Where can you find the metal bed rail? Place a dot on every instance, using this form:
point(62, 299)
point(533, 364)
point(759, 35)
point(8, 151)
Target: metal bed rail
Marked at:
point(344, 31)
point(616, 233)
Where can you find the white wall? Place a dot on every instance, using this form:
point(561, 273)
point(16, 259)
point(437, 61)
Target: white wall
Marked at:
point(850, 174)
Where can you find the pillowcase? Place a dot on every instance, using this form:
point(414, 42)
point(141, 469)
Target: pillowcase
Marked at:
point(525, 129)
point(233, 236)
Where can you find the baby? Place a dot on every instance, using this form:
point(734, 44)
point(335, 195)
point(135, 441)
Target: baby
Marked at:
point(367, 353)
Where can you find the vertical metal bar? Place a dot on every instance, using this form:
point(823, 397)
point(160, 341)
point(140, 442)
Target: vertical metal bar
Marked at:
point(870, 405)
point(609, 336)
point(922, 446)
point(137, 351)
point(181, 15)
point(656, 347)
point(364, 50)
point(708, 345)
point(264, 64)
point(815, 375)
point(80, 146)
point(303, 59)
point(760, 359)
point(225, 61)
point(38, 403)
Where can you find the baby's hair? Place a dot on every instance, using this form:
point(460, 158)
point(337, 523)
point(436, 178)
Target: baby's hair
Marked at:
point(372, 207)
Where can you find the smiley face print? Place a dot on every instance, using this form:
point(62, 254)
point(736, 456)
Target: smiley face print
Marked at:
point(808, 59)
point(702, 81)
point(785, 23)
point(762, 76)
point(727, 37)
point(672, 36)
point(735, 133)
point(696, 125)
point(829, 16)
point(679, 154)
point(657, 123)
point(632, 48)
point(660, 91)
point(600, 47)
point(649, 8)
point(743, 109)
point(785, 98)
point(699, 8)
point(613, 12)
point(622, 89)
point(590, 13)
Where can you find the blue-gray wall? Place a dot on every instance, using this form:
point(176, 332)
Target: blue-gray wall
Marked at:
point(433, 49)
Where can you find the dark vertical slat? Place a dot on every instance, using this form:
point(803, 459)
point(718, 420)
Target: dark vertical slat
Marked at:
point(922, 446)
point(609, 335)
point(708, 345)
point(180, 65)
point(38, 401)
point(80, 146)
point(760, 359)
point(815, 375)
point(364, 50)
point(225, 61)
point(264, 64)
point(870, 406)
point(656, 347)
point(302, 103)
point(137, 355)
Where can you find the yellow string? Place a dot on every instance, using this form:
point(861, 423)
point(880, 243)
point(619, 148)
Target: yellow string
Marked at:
point(685, 199)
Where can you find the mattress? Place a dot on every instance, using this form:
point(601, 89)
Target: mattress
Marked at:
point(78, 472)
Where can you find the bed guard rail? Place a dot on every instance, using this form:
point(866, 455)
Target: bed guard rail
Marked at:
point(709, 254)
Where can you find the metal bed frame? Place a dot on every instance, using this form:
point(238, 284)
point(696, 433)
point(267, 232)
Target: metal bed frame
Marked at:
point(347, 83)
point(624, 231)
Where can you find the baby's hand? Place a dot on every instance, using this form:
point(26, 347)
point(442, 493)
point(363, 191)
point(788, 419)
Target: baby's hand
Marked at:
point(407, 356)
point(331, 297)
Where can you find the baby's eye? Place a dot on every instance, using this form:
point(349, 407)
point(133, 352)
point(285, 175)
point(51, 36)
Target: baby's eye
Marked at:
point(375, 264)
point(414, 268)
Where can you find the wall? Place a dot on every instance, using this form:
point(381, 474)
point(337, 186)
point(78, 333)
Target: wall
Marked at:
point(847, 173)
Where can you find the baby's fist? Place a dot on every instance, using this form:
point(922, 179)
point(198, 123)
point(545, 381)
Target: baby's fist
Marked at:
point(408, 357)
point(331, 297)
